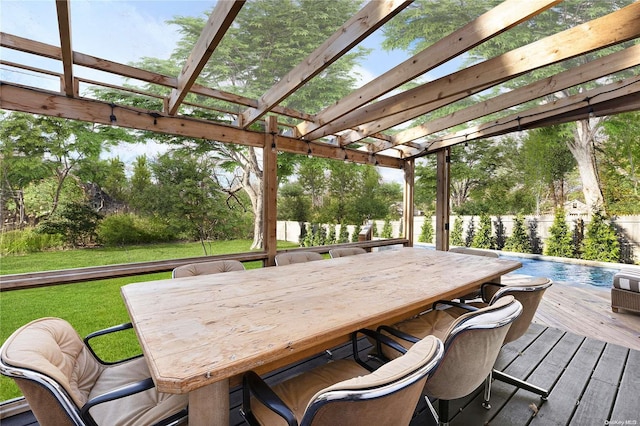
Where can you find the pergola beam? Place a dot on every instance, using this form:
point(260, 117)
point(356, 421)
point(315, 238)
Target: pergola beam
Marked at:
point(357, 28)
point(219, 22)
point(490, 24)
point(576, 107)
point(589, 71)
point(617, 27)
point(64, 28)
point(16, 98)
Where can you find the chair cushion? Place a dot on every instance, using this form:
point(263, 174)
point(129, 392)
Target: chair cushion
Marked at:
point(51, 346)
point(347, 251)
point(297, 257)
point(143, 408)
point(298, 391)
point(206, 268)
point(627, 279)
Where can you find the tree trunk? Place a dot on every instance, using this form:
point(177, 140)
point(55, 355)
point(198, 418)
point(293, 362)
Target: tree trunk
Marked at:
point(582, 148)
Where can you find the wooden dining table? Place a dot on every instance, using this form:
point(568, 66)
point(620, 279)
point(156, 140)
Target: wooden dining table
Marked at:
point(200, 334)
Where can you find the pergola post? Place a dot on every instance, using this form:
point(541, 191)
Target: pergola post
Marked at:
point(443, 163)
point(408, 204)
point(270, 189)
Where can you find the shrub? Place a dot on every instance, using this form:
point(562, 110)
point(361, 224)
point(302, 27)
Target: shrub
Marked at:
point(500, 236)
point(482, 238)
point(343, 235)
point(519, 240)
point(600, 242)
point(426, 233)
point(559, 241)
point(471, 232)
point(76, 222)
point(28, 241)
point(456, 234)
point(331, 236)
point(534, 238)
point(126, 229)
point(387, 230)
point(356, 233)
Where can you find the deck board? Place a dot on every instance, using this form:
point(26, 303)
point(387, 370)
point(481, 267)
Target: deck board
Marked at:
point(626, 405)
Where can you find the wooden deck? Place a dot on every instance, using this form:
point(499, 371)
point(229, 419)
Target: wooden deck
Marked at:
point(592, 381)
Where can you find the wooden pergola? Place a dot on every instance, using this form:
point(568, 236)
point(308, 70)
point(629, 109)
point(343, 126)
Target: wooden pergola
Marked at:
point(360, 127)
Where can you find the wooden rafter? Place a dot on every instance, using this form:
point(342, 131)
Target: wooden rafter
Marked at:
point(611, 29)
point(356, 29)
point(592, 70)
point(488, 25)
point(219, 22)
point(64, 28)
point(576, 107)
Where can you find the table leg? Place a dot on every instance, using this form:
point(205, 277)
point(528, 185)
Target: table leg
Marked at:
point(209, 405)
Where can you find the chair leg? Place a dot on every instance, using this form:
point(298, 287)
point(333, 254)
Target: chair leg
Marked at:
point(487, 392)
point(434, 413)
point(443, 415)
point(499, 375)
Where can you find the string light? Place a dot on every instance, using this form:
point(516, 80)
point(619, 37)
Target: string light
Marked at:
point(112, 117)
point(309, 152)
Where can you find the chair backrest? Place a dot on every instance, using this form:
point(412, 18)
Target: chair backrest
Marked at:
point(206, 268)
point(297, 257)
point(387, 396)
point(346, 251)
point(474, 252)
point(528, 292)
point(471, 347)
point(52, 367)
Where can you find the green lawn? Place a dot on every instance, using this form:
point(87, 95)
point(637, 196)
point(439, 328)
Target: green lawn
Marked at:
point(92, 305)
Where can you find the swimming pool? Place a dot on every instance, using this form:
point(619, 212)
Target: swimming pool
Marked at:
point(567, 272)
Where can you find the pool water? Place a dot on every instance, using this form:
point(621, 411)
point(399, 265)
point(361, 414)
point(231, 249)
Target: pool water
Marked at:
point(567, 272)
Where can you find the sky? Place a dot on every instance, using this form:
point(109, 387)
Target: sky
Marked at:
point(124, 31)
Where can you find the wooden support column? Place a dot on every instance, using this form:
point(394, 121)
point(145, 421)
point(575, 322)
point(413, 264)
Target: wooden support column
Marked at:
point(408, 202)
point(443, 161)
point(270, 189)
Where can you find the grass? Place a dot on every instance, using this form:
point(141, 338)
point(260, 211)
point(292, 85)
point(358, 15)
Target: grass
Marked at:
point(92, 305)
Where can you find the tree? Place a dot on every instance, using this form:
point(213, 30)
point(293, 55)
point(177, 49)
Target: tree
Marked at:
point(293, 203)
point(343, 234)
point(471, 232)
point(482, 238)
point(387, 230)
point(519, 240)
point(499, 237)
point(427, 21)
point(600, 242)
point(456, 234)
point(77, 222)
point(559, 241)
point(619, 161)
point(254, 55)
point(426, 233)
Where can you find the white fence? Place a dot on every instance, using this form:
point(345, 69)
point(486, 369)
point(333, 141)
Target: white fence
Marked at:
point(629, 226)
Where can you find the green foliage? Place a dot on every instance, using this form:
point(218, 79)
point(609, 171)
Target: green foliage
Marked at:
point(319, 235)
point(293, 204)
point(343, 234)
point(28, 241)
point(127, 229)
point(471, 233)
point(600, 242)
point(374, 229)
point(456, 233)
point(356, 233)
point(482, 238)
point(426, 232)
point(534, 238)
point(76, 222)
point(303, 234)
point(499, 237)
point(331, 235)
point(519, 239)
point(559, 241)
point(387, 230)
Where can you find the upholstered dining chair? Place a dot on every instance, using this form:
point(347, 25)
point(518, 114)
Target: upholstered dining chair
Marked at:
point(297, 257)
point(346, 251)
point(528, 291)
point(65, 383)
point(473, 251)
point(206, 268)
point(472, 343)
point(344, 392)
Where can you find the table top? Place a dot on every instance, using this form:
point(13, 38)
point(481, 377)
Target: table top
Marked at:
point(195, 331)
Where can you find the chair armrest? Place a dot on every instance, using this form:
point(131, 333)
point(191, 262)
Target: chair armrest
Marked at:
point(452, 303)
point(114, 329)
point(397, 333)
point(252, 384)
point(380, 340)
point(118, 393)
point(483, 288)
